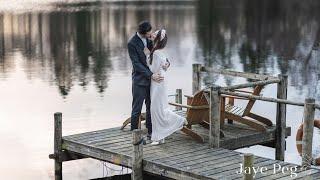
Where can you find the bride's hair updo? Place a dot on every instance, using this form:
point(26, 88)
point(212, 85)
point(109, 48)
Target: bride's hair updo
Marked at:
point(158, 44)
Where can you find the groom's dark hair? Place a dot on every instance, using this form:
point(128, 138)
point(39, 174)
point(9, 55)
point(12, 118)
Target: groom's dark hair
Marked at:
point(144, 27)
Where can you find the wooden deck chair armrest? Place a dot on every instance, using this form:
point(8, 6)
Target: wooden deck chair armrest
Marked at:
point(243, 91)
point(179, 105)
point(234, 97)
point(188, 106)
point(188, 96)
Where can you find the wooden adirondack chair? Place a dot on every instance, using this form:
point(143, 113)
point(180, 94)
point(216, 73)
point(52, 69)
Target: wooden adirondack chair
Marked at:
point(241, 115)
point(233, 113)
point(197, 113)
point(127, 121)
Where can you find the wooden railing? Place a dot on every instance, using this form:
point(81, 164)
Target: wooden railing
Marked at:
point(216, 92)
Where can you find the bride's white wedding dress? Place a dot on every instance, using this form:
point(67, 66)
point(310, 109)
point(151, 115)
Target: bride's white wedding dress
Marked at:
point(164, 121)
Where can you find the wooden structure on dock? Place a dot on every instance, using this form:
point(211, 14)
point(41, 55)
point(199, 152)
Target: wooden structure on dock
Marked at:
point(183, 158)
point(179, 158)
point(218, 95)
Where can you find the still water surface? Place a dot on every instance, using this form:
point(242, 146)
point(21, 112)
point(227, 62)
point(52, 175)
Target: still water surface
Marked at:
point(72, 57)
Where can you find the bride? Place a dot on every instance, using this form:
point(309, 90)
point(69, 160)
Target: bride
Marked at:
point(164, 121)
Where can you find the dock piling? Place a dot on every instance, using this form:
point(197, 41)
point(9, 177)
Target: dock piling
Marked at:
point(137, 142)
point(280, 138)
point(57, 145)
point(214, 116)
point(178, 98)
point(308, 124)
point(196, 82)
point(248, 160)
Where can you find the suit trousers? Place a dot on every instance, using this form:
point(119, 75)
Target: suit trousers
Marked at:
point(140, 94)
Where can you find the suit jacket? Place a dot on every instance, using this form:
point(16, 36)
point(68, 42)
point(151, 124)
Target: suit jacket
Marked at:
point(141, 74)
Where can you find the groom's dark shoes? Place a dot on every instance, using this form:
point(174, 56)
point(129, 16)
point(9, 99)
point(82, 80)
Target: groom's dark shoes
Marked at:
point(148, 136)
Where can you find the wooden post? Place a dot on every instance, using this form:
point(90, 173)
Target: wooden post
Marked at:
point(214, 116)
point(280, 136)
point(248, 160)
point(57, 145)
point(222, 110)
point(196, 82)
point(308, 124)
point(178, 98)
point(137, 142)
point(231, 103)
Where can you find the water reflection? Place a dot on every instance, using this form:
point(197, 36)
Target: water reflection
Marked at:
point(76, 47)
point(266, 36)
point(79, 55)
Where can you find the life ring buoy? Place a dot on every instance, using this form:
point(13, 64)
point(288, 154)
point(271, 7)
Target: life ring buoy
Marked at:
point(299, 136)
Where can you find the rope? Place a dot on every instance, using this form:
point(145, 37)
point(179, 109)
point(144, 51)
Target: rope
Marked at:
point(309, 160)
point(109, 170)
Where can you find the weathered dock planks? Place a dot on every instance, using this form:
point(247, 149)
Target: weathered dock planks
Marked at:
point(238, 135)
point(180, 157)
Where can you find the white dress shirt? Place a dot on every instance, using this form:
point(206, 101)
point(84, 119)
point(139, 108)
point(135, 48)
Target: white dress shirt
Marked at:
point(144, 40)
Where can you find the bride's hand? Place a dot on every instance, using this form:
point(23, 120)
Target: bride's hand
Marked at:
point(166, 65)
point(146, 51)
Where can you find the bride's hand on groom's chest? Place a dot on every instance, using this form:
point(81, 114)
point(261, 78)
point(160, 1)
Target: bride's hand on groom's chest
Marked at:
point(146, 51)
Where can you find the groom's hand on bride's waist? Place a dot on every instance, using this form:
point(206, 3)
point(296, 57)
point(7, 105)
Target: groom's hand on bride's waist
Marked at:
point(157, 77)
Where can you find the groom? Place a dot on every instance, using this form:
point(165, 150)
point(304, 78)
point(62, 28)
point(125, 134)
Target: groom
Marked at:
point(141, 74)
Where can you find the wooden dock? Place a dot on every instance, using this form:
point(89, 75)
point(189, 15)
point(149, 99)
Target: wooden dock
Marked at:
point(180, 157)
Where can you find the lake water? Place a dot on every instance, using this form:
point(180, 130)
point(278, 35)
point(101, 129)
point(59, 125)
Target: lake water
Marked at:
point(72, 58)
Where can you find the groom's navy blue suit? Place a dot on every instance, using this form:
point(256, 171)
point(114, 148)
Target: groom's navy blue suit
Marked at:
point(141, 80)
